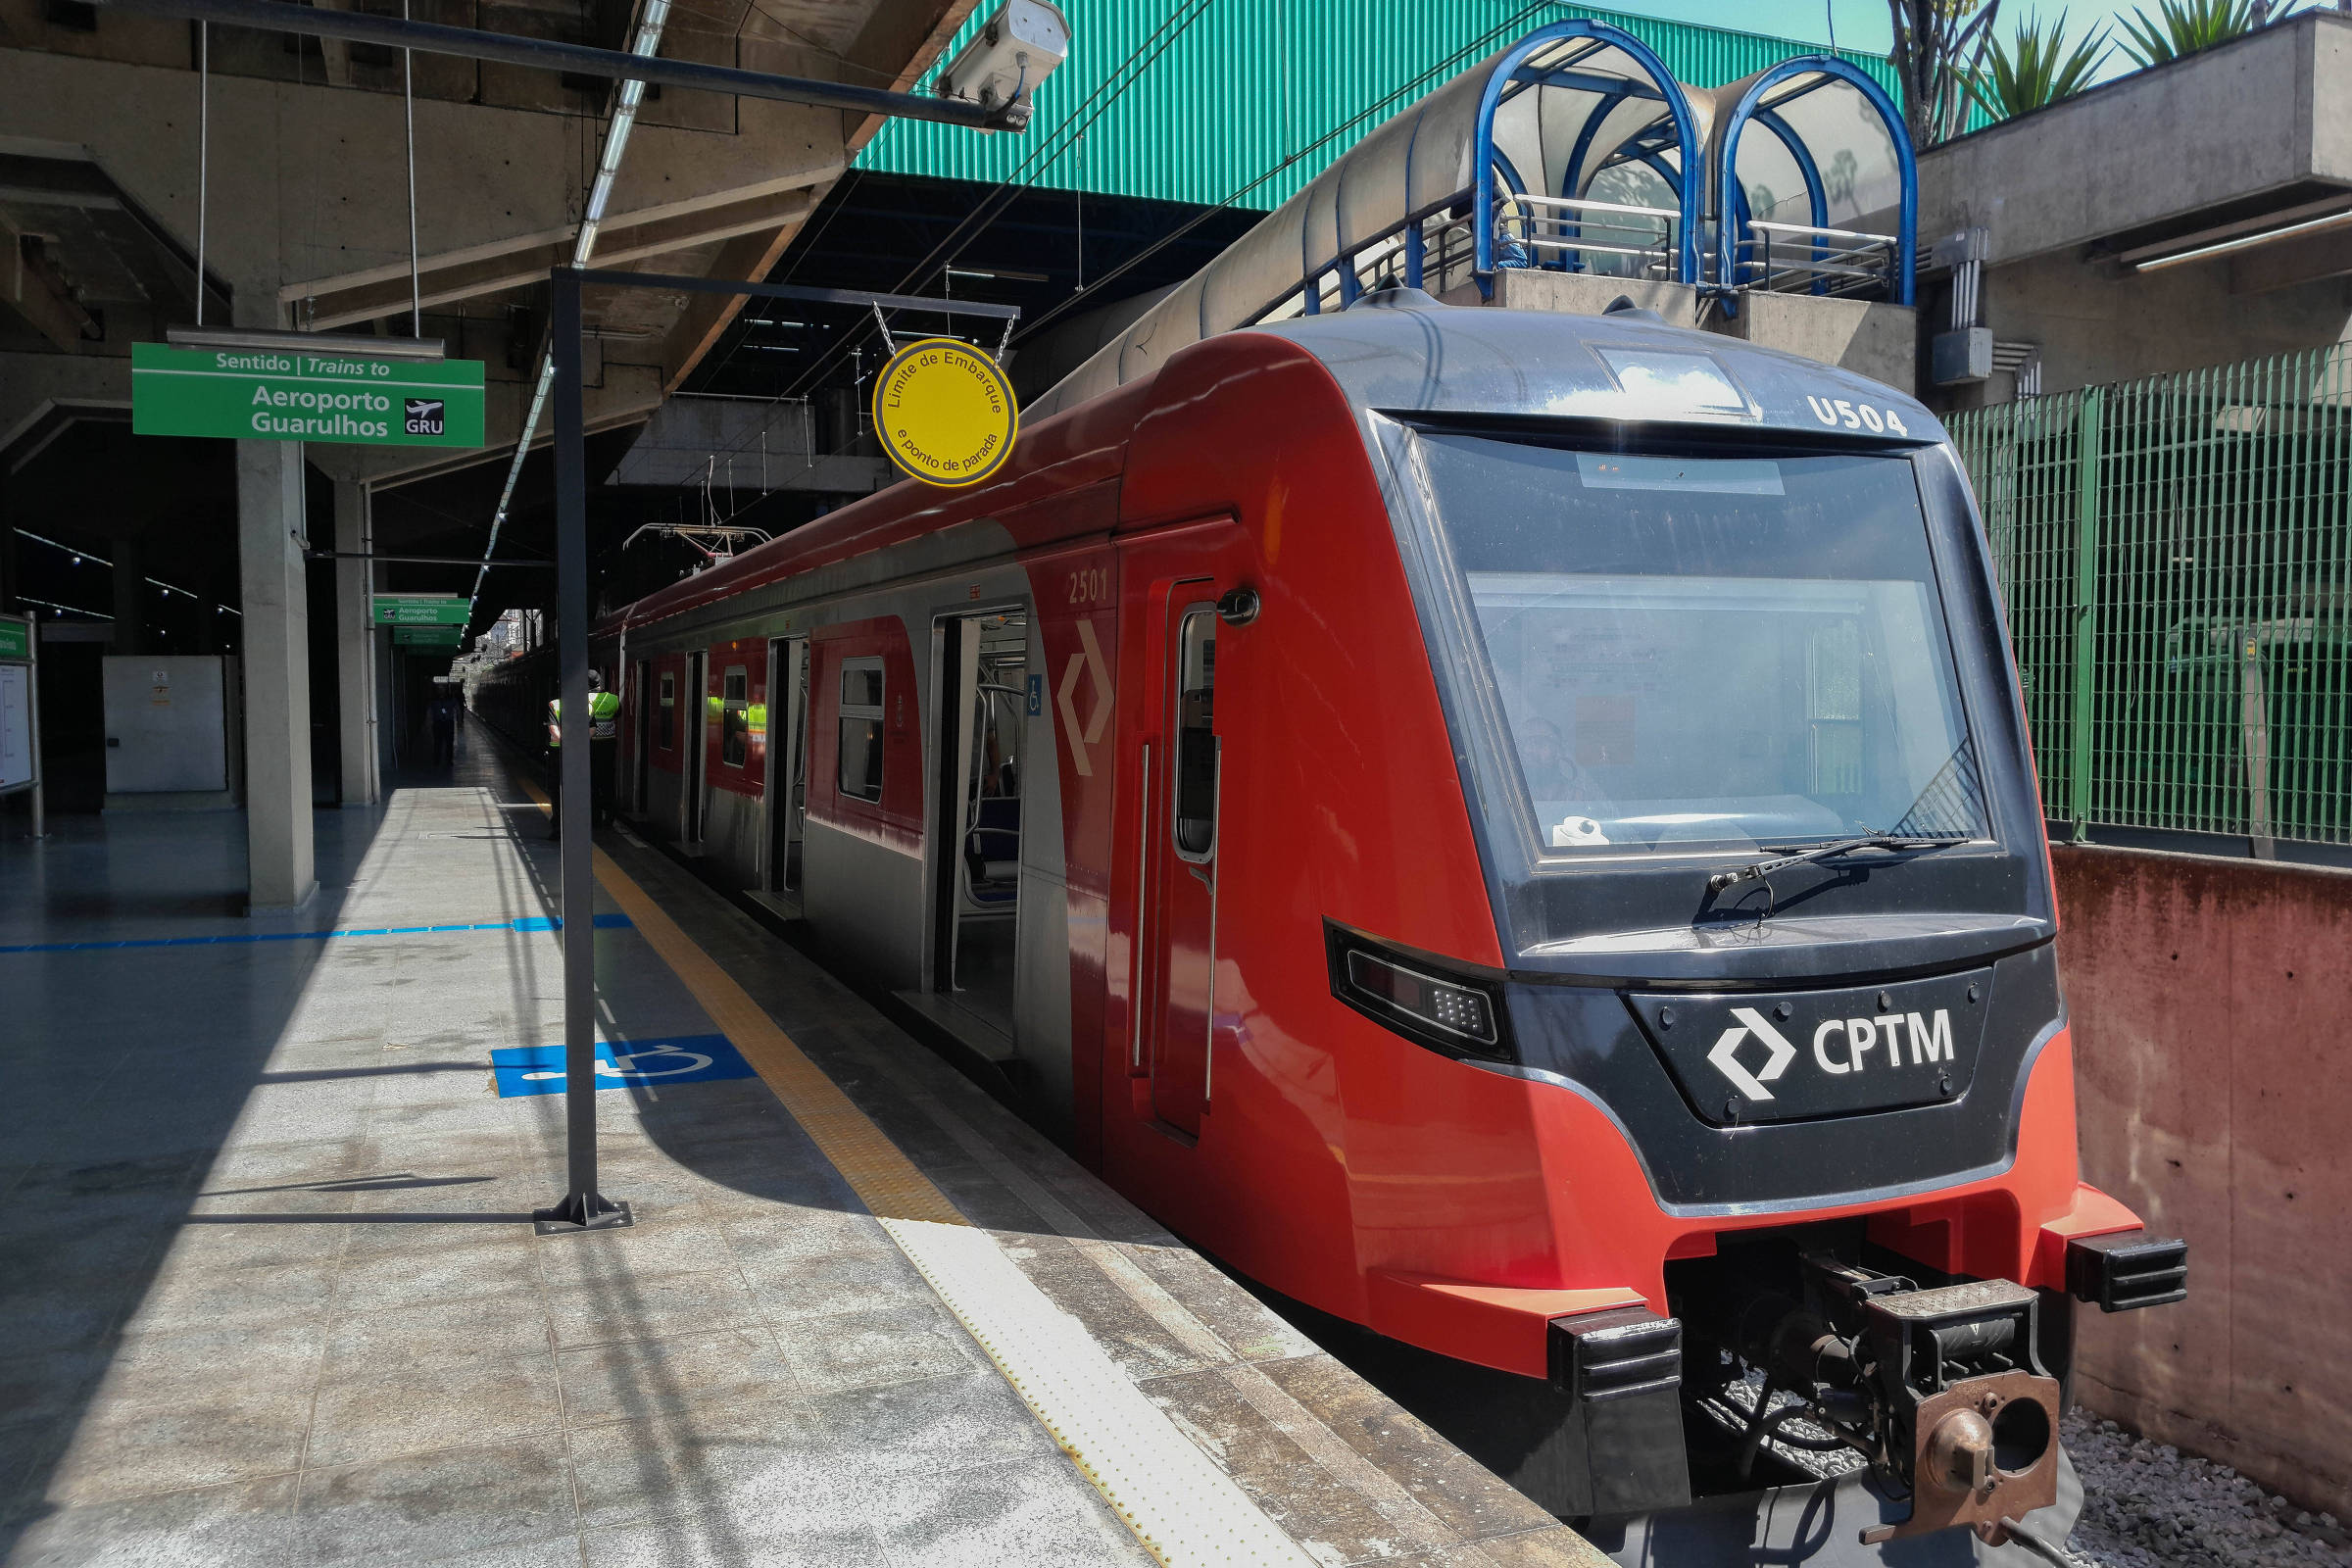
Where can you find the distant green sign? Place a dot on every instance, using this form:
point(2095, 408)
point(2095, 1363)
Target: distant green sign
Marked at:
point(15, 638)
point(428, 636)
point(405, 609)
point(288, 395)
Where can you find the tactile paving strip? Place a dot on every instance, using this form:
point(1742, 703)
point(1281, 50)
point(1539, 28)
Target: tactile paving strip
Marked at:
point(1180, 1505)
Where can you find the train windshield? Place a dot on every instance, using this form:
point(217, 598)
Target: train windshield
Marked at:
point(1707, 652)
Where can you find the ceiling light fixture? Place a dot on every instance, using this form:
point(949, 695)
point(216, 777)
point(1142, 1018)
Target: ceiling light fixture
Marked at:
point(2198, 253)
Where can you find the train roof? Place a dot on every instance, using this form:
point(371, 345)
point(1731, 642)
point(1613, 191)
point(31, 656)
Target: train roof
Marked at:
point(1401, 352)
point(1397, 352)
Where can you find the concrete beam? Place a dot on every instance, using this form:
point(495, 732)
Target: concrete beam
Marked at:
point(901, 37)
point(35, 292)
point(486, 176)
point(525, 260)
point(2261, 114)
point(34, 385)
point(906, 38)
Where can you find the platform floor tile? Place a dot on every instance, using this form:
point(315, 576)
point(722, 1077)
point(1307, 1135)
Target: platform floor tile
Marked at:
point(273, 1297)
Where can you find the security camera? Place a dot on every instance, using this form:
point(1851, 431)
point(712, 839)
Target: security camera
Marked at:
point(1007, 59)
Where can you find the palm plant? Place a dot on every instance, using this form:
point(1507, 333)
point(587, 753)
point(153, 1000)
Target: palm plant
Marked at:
point(2034, 70)
point(1938, 46)
point(2177, 27)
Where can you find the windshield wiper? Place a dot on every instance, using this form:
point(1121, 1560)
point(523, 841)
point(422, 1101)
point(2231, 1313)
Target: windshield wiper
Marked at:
point(1760, 870)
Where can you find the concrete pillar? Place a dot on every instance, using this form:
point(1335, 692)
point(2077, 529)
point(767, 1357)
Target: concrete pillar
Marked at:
point(130, 597)
point(278, 847)
point(354, 642)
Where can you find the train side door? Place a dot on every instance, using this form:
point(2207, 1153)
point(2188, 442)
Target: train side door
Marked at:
point(697, 693)
point(1183, 860)
point(1184, 774)
point(787, 761)
point(641, 737)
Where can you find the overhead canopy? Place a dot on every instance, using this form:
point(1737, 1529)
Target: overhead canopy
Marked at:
point(1578, 110)
point(1811, 182)
point(1571, 150)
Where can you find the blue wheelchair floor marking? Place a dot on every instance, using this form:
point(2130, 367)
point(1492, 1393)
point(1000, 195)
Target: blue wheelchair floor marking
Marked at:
point(620, 1064)
point(527, 923)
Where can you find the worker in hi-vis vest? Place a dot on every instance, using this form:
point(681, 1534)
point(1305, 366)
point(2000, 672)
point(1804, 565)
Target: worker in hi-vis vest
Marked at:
point(604, 732)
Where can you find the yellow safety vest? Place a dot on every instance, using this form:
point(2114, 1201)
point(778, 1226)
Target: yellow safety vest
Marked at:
point(604, 717)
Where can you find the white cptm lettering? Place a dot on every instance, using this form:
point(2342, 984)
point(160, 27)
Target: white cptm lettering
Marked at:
point(1931, 1039)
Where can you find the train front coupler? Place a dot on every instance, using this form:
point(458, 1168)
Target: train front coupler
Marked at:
point(1939, 1387)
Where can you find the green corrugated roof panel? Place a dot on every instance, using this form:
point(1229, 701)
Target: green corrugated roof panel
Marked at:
point(1218, 103)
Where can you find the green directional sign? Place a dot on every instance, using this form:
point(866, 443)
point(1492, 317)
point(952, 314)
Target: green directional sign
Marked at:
point(421, 609)
point(15, 638)
point(450, 637)
point(292, 395)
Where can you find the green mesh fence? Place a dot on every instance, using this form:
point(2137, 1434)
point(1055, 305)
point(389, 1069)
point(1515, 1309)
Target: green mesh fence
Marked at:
point(2177, 558)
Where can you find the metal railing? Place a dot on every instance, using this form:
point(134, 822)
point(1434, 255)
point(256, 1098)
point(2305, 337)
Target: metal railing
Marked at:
point(1586, 233)
point(2177, 558)
point(1803, 258)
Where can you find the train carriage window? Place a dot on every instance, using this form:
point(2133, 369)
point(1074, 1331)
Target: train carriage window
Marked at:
point(734, 717)
point(1702, 650)
point(862, 716)
point(1196, 760)
point(665, 724)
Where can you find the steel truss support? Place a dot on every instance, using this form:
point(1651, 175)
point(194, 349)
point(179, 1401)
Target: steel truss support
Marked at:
point(547, 54)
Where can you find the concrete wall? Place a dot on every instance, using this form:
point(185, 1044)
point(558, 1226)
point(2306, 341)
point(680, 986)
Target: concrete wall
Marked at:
point(1526, 288)
point(2252, 133)
point(2263, 113)
point(2214, 1092)
point(2096, 323)
point(1879, 341)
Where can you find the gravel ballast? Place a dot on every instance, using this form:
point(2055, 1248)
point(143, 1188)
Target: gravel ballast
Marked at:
point(2149, 1505)
point(2146, 1505)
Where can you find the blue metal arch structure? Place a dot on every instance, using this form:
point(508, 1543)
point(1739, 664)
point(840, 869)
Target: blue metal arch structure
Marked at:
point(1498, 86)
point(1733, 198)
point(1409, 190)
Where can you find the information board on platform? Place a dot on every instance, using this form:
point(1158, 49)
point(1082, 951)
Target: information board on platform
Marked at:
point(421, 609)
point(291, 395)
point(19, 764)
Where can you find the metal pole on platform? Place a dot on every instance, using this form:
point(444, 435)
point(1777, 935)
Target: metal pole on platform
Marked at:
point(583, 1207)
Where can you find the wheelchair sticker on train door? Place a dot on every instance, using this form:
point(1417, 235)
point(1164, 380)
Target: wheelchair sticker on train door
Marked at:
point(620, 1064)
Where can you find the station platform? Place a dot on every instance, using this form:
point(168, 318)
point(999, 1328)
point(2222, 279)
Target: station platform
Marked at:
point(272, 1293)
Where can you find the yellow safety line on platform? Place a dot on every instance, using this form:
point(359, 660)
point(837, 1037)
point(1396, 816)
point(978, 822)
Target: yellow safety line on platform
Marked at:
point(882, 1176)
point(1180, 1503)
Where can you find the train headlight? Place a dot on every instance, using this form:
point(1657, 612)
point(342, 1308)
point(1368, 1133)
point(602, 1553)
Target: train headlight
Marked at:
point(1423, 1000)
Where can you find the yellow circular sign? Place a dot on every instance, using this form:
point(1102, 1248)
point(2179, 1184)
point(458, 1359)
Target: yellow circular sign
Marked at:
point(944, 412)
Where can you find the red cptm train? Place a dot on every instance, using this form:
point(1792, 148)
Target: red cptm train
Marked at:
point(1513, 831)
